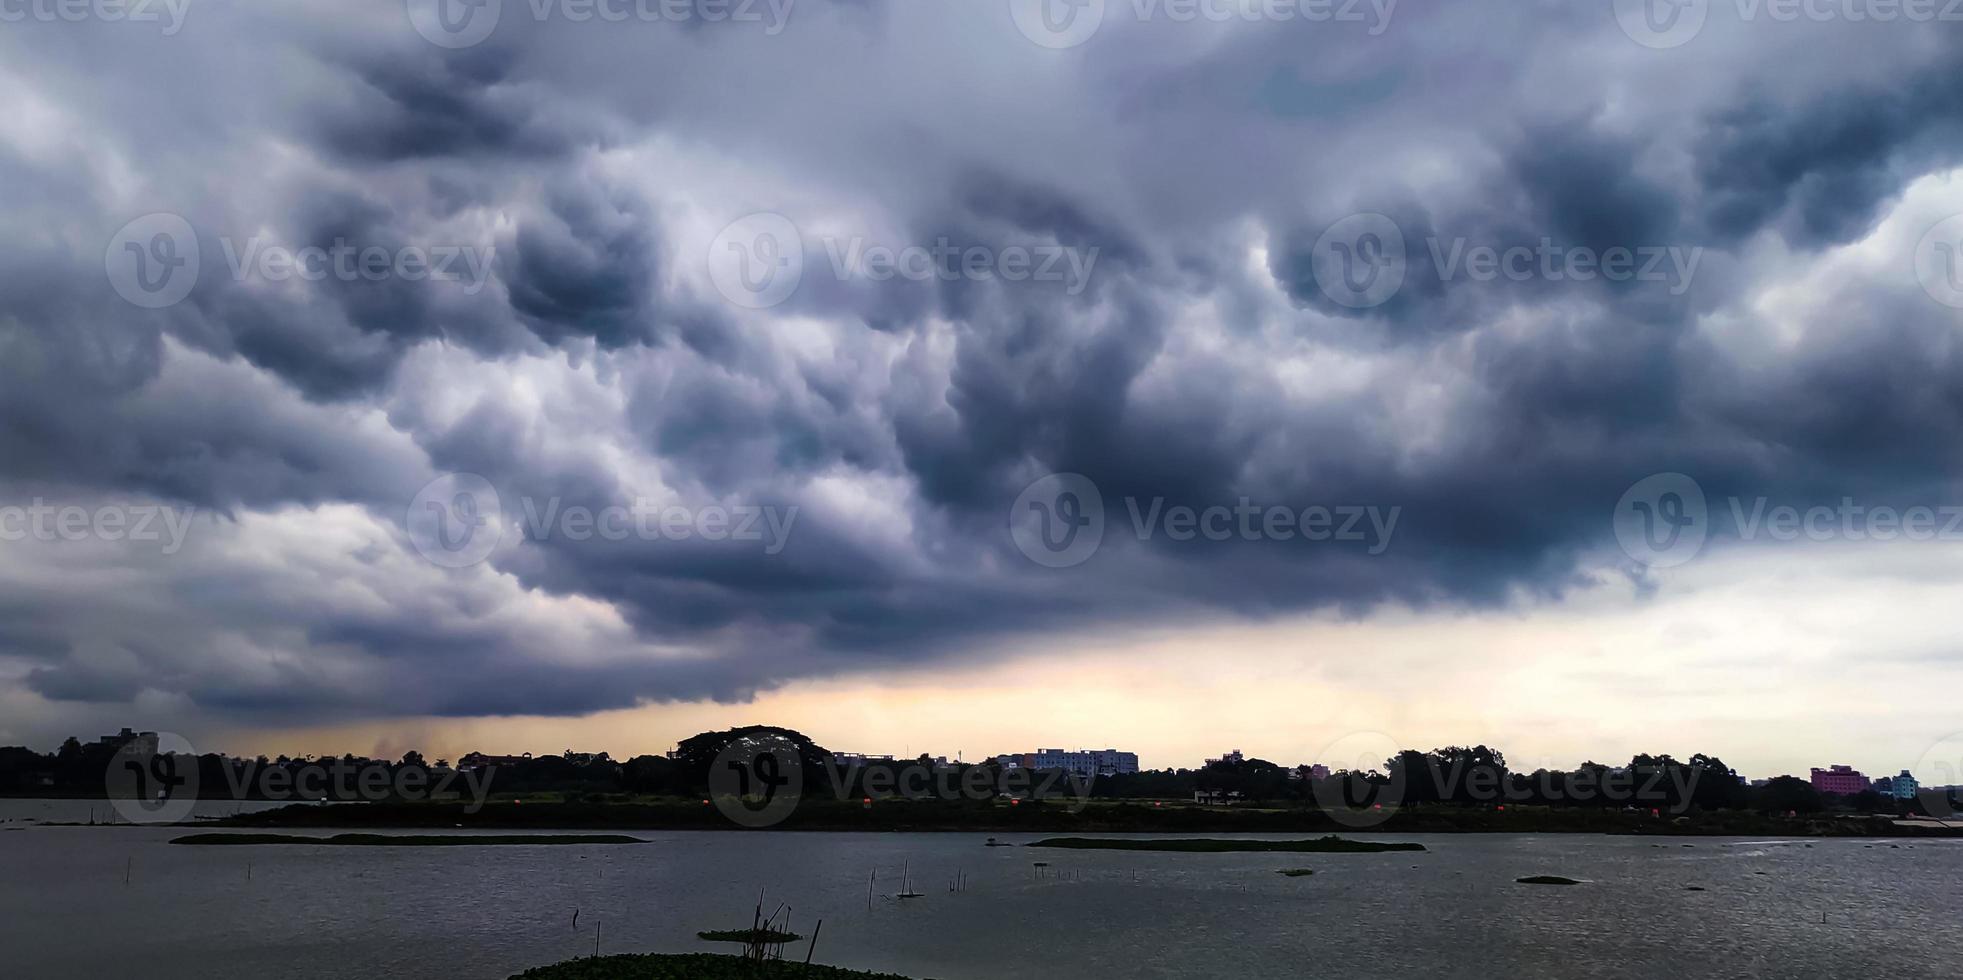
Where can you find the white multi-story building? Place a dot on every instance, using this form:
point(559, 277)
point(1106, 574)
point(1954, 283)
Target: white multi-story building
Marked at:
point(1090, 762)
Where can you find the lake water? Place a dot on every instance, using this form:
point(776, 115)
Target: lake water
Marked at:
point(366, 913)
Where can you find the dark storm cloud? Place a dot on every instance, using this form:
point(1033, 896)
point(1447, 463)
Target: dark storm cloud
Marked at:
point(1200, 363)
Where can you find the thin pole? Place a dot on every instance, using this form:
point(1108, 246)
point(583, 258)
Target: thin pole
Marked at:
point(814, 942)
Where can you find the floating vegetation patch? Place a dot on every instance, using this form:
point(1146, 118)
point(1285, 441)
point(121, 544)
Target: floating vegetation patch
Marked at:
point(769, 937)
point(405, 840)
point(1204, 845)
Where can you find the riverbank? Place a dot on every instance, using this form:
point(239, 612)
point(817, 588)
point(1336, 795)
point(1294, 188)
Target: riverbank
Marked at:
point(690, 966)
point(1054, 818)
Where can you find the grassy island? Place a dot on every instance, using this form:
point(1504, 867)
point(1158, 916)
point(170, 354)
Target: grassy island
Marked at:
point(406, 840)
point(763, 937)
point(692, 966)
point(1207, 845)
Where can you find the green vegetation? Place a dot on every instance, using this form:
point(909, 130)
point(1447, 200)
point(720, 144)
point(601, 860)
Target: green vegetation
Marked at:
point(407, 840)
point(1204, 845)
point(692, 966)
point(766, 937)
point(1546, 880)
point(1297, 872)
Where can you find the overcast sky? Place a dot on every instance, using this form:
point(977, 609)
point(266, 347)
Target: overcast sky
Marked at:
point(499, 376)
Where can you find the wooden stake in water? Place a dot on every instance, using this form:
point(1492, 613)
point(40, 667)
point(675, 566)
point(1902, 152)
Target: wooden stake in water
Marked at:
point(814, 942)
point(869, 883)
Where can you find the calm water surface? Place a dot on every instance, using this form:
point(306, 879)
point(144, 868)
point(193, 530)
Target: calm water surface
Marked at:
point(307, 912)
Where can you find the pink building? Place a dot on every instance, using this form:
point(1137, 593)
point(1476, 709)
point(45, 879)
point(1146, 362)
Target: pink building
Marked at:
point(1843, 780)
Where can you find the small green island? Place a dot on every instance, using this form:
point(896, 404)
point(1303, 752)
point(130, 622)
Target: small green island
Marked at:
point(760, 937)
point(405, 840)
point(690, 966)
point(1211, 845)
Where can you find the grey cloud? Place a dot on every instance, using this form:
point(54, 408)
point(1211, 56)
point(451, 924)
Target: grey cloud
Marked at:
point(1200, 365)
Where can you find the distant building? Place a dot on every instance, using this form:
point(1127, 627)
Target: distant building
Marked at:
point(1840, 780)
point(1885, 785)
point(1025, 760)
point(858, 758)
point(1091, 762)
point(1231, 758)
point(139, 743)
point(1904, 786)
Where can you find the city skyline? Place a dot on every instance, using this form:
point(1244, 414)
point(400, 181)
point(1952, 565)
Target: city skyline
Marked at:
point(1834, 777)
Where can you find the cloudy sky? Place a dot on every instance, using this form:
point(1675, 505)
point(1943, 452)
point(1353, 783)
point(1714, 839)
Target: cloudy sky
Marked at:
point(972, 376)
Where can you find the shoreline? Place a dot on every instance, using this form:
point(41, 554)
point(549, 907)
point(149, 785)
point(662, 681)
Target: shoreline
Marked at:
point(1047, 820)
